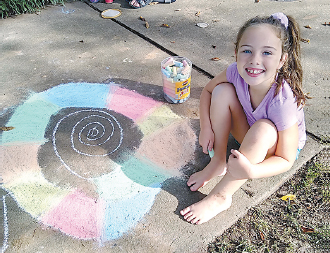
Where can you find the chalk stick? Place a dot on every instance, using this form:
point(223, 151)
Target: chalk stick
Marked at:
point(168, 69)
point(211, 153)
point(174, 71)
point(169, 62)
point(178, 64)
point(166, 73)
point(186, 70)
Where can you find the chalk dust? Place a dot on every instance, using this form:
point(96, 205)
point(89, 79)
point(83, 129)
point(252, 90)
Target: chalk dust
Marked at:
point(17, 159)
point(170, 148)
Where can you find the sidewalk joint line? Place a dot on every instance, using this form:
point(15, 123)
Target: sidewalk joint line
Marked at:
point(200, 70)
point(317, 138)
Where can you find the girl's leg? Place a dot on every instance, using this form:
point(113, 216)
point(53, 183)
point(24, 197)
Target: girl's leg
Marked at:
point(259, 143)
point(224, 111)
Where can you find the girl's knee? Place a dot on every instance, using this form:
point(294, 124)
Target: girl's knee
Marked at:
point(265, 129)
point(266, 125)
point(224, 91)
point(264, 133)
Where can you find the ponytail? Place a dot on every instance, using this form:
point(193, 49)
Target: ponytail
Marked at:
point(292, 71)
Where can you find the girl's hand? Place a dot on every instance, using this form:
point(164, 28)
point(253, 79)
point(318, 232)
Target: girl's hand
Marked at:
point(239, 166)
point(206, 140)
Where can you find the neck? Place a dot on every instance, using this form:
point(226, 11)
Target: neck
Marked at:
point(257, 94)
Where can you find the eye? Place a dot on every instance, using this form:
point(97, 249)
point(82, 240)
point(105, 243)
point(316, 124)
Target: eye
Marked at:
point(267, 53)
point(247, 51)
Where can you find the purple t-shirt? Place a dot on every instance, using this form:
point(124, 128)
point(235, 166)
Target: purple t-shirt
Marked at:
point(281, 110)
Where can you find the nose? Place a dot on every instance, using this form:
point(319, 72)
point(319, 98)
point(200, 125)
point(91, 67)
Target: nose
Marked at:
point(255, 59)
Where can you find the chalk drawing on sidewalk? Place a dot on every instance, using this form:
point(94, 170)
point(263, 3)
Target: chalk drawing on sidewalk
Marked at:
point(90, 159)
point(5, 225)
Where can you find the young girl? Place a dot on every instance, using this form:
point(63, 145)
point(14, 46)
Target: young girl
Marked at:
point(258, 100)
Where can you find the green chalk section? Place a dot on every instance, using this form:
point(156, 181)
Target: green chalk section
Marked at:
point(30, 121)
point(144, 172)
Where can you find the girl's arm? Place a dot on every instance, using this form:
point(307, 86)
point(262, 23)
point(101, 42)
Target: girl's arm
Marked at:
point(206, 137)
point(281, 161)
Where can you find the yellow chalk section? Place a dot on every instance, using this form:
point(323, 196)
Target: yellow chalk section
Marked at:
point(160, 118)
point(35, 194)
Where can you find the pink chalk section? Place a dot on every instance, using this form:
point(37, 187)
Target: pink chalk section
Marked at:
point(77, 215)
point(130, 103)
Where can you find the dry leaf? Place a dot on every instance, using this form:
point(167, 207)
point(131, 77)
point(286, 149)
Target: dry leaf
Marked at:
point(147, 25)
point(262, 235)
point(307, 230)
point(215, 59)
point(308, 26)
point(153, 3)
point(6, 128)
point(305, 40)
point(165, 25)
point(142, 18)
point(289, 196)
point(197, 13)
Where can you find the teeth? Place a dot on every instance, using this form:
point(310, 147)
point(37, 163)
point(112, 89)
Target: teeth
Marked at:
point(254, 71)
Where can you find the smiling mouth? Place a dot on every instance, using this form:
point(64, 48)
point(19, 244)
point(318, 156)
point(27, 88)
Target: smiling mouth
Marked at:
point(254, 71)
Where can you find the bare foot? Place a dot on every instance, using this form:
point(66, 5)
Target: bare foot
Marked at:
point(201, 178)
point(206, 209)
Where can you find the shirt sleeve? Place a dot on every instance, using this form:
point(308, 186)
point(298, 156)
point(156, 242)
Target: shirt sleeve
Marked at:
point(283, 113)
point(231, 73)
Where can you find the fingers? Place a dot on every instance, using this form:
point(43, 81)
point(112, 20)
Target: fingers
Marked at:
point(207, 147)
point(210, 146)
point(235, 153)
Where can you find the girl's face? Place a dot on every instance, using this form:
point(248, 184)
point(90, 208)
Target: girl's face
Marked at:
point(259, 55)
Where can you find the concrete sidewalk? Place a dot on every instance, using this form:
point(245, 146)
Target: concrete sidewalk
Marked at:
point(68, 61)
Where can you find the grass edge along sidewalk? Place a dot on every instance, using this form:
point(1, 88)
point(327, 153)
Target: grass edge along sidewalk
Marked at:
point(15, 7)
point(296, 218)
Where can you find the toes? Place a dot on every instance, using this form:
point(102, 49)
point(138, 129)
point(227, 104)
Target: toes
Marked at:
point(191, 181)
point(184, 211)
point(194, 188)
point(189, 217)
point(194, 220)
point(199, 222)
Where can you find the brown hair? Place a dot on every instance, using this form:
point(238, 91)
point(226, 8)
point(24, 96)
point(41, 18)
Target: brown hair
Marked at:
point(291, 71)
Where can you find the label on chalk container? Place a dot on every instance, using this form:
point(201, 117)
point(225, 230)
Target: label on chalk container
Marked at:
point(182, 89)
point(178, 90)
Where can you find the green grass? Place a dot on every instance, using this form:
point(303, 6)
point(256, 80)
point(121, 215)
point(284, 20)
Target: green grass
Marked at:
point(279, 226)
point(16, 7)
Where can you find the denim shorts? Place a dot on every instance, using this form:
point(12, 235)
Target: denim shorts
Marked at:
point(298, 152)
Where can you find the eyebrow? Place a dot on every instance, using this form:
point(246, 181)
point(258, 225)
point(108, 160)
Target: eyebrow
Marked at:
point(270, 47)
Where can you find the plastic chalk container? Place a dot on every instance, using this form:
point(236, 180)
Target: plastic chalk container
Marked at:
point(176, 73)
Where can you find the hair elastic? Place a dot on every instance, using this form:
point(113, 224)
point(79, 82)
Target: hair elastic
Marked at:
point(281, 17)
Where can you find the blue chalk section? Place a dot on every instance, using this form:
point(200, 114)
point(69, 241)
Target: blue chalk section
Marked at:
point(30, 121)
point(92, 95)
point(124, 215)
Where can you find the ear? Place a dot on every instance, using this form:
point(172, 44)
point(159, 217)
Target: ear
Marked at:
point(283, 60)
